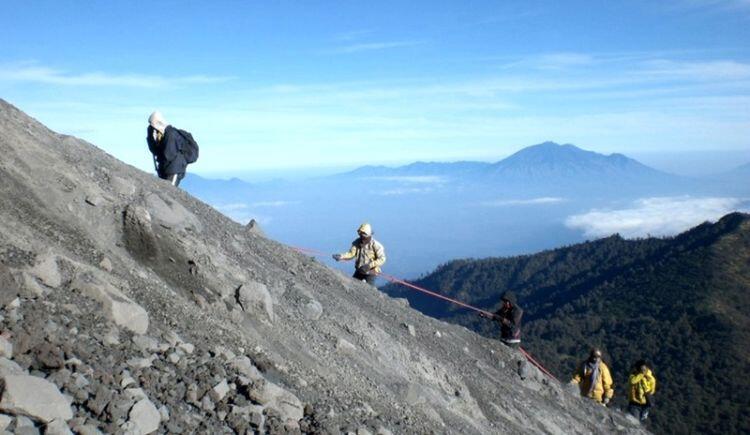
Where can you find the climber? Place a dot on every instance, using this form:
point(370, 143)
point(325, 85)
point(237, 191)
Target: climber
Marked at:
point(593, 378)
point(165, 143)
point(369, 255)
point(642, 388)
point(509, 317)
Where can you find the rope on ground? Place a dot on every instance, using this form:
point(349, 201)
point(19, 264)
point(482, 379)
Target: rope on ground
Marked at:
point(395, 280)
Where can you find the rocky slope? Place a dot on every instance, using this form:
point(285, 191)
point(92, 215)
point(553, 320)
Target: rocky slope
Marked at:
point(130, 307)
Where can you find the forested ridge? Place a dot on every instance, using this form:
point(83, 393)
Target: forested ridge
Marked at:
point(682, 303)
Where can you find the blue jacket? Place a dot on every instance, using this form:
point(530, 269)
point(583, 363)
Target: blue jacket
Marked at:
point(167, 151)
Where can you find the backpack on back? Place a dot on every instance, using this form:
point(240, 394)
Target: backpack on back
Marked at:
point(189, 148)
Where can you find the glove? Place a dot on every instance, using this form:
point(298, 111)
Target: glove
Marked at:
point(336, 257)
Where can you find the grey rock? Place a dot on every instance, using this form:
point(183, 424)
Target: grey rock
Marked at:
point(146, 343)
point(106, 264)
point(57, 427)
point(9, 288)
point(282, 401)
point(245, 366)
point(219, 391)
point(140, 239)
point(254, 297)
point(312, 310)
point(344, 346)
point(117, 307)
point(34, 397)
point(47, 270)
point(6, 348)
point(122, 186)
point(5, 421)
point(145, 416)
point(171, 213)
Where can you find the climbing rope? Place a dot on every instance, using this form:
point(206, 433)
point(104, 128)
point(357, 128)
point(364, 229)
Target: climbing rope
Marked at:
point(395, 280)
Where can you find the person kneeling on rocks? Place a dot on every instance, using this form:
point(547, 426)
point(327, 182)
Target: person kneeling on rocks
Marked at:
point(593, 378)
point(368, 254)
point(509, 317)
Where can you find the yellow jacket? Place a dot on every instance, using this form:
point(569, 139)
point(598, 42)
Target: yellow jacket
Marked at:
point(641, 385)
point(603, 386)
point(369, 256)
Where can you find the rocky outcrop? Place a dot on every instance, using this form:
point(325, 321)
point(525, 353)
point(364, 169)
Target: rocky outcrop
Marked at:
point(127, 306)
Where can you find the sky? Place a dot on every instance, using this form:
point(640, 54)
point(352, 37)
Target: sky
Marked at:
point(301, 86)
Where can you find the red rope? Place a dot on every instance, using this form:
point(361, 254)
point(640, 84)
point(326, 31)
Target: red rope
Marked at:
point(424, 290)
point(539, 366)
point(395, 280)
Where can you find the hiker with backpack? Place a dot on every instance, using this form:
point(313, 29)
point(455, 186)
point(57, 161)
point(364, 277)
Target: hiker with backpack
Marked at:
point(642, 383)
point(173, 149)
point(369, 255)
point(509, 317)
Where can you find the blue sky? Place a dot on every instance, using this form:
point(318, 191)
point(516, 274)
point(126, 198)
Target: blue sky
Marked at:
point(276, 85)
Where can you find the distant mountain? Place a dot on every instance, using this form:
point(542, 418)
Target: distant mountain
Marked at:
point(544, 167)
point(551, 161)
point(452, 169)
point(682, 303)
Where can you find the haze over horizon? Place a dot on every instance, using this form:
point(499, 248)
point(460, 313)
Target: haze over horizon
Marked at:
point(279, 87)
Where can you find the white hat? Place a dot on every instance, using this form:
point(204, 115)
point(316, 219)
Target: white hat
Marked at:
point(157, 121)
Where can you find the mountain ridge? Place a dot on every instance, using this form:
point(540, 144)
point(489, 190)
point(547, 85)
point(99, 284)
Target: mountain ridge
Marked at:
point(680, 302)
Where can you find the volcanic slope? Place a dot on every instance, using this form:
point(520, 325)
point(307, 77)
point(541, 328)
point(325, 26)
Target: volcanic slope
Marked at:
point(129, 306)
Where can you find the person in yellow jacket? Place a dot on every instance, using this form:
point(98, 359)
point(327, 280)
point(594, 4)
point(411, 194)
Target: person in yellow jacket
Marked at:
point(642, 383)
point(368, 254)
point(593, 378)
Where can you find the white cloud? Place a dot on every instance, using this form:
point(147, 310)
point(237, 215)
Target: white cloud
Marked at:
point(414, 179)
point(403, 191)
point(532, 201)
point(274, 203)
point(661, 216)
point(40, 74)
point(370, 46)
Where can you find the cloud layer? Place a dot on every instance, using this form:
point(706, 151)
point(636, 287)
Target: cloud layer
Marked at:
point(661, 216)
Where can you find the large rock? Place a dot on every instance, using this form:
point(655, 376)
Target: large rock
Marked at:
point(273, 396)
point(139, 236)
point(117, 307)
point(254, 297)
point(145, 416)
point(245, 367)
point(48, 271)
point(33, 397)
point(9, 288)
point(171, 213)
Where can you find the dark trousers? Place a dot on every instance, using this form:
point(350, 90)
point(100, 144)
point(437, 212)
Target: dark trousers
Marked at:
point(173, 178)
point(365, 277)
point(639, 411)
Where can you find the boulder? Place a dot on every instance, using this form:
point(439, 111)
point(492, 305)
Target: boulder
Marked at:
point(282, 401)
point(47, 271)
point(57, 427)
point(254, 297)
point(122, 186)
point(6, 348)
point(145, 416)
point(33, 397)
point(245, 367)
point(171, 213)
point(312, 309)
point(9, 288)
point(117, 307)
point(254, 227)
point(139, 236)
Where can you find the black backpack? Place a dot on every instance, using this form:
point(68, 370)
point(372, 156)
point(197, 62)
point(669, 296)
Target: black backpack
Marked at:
point(189, 148)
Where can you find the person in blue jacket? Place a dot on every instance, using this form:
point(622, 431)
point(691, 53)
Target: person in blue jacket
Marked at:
point(165, 143)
